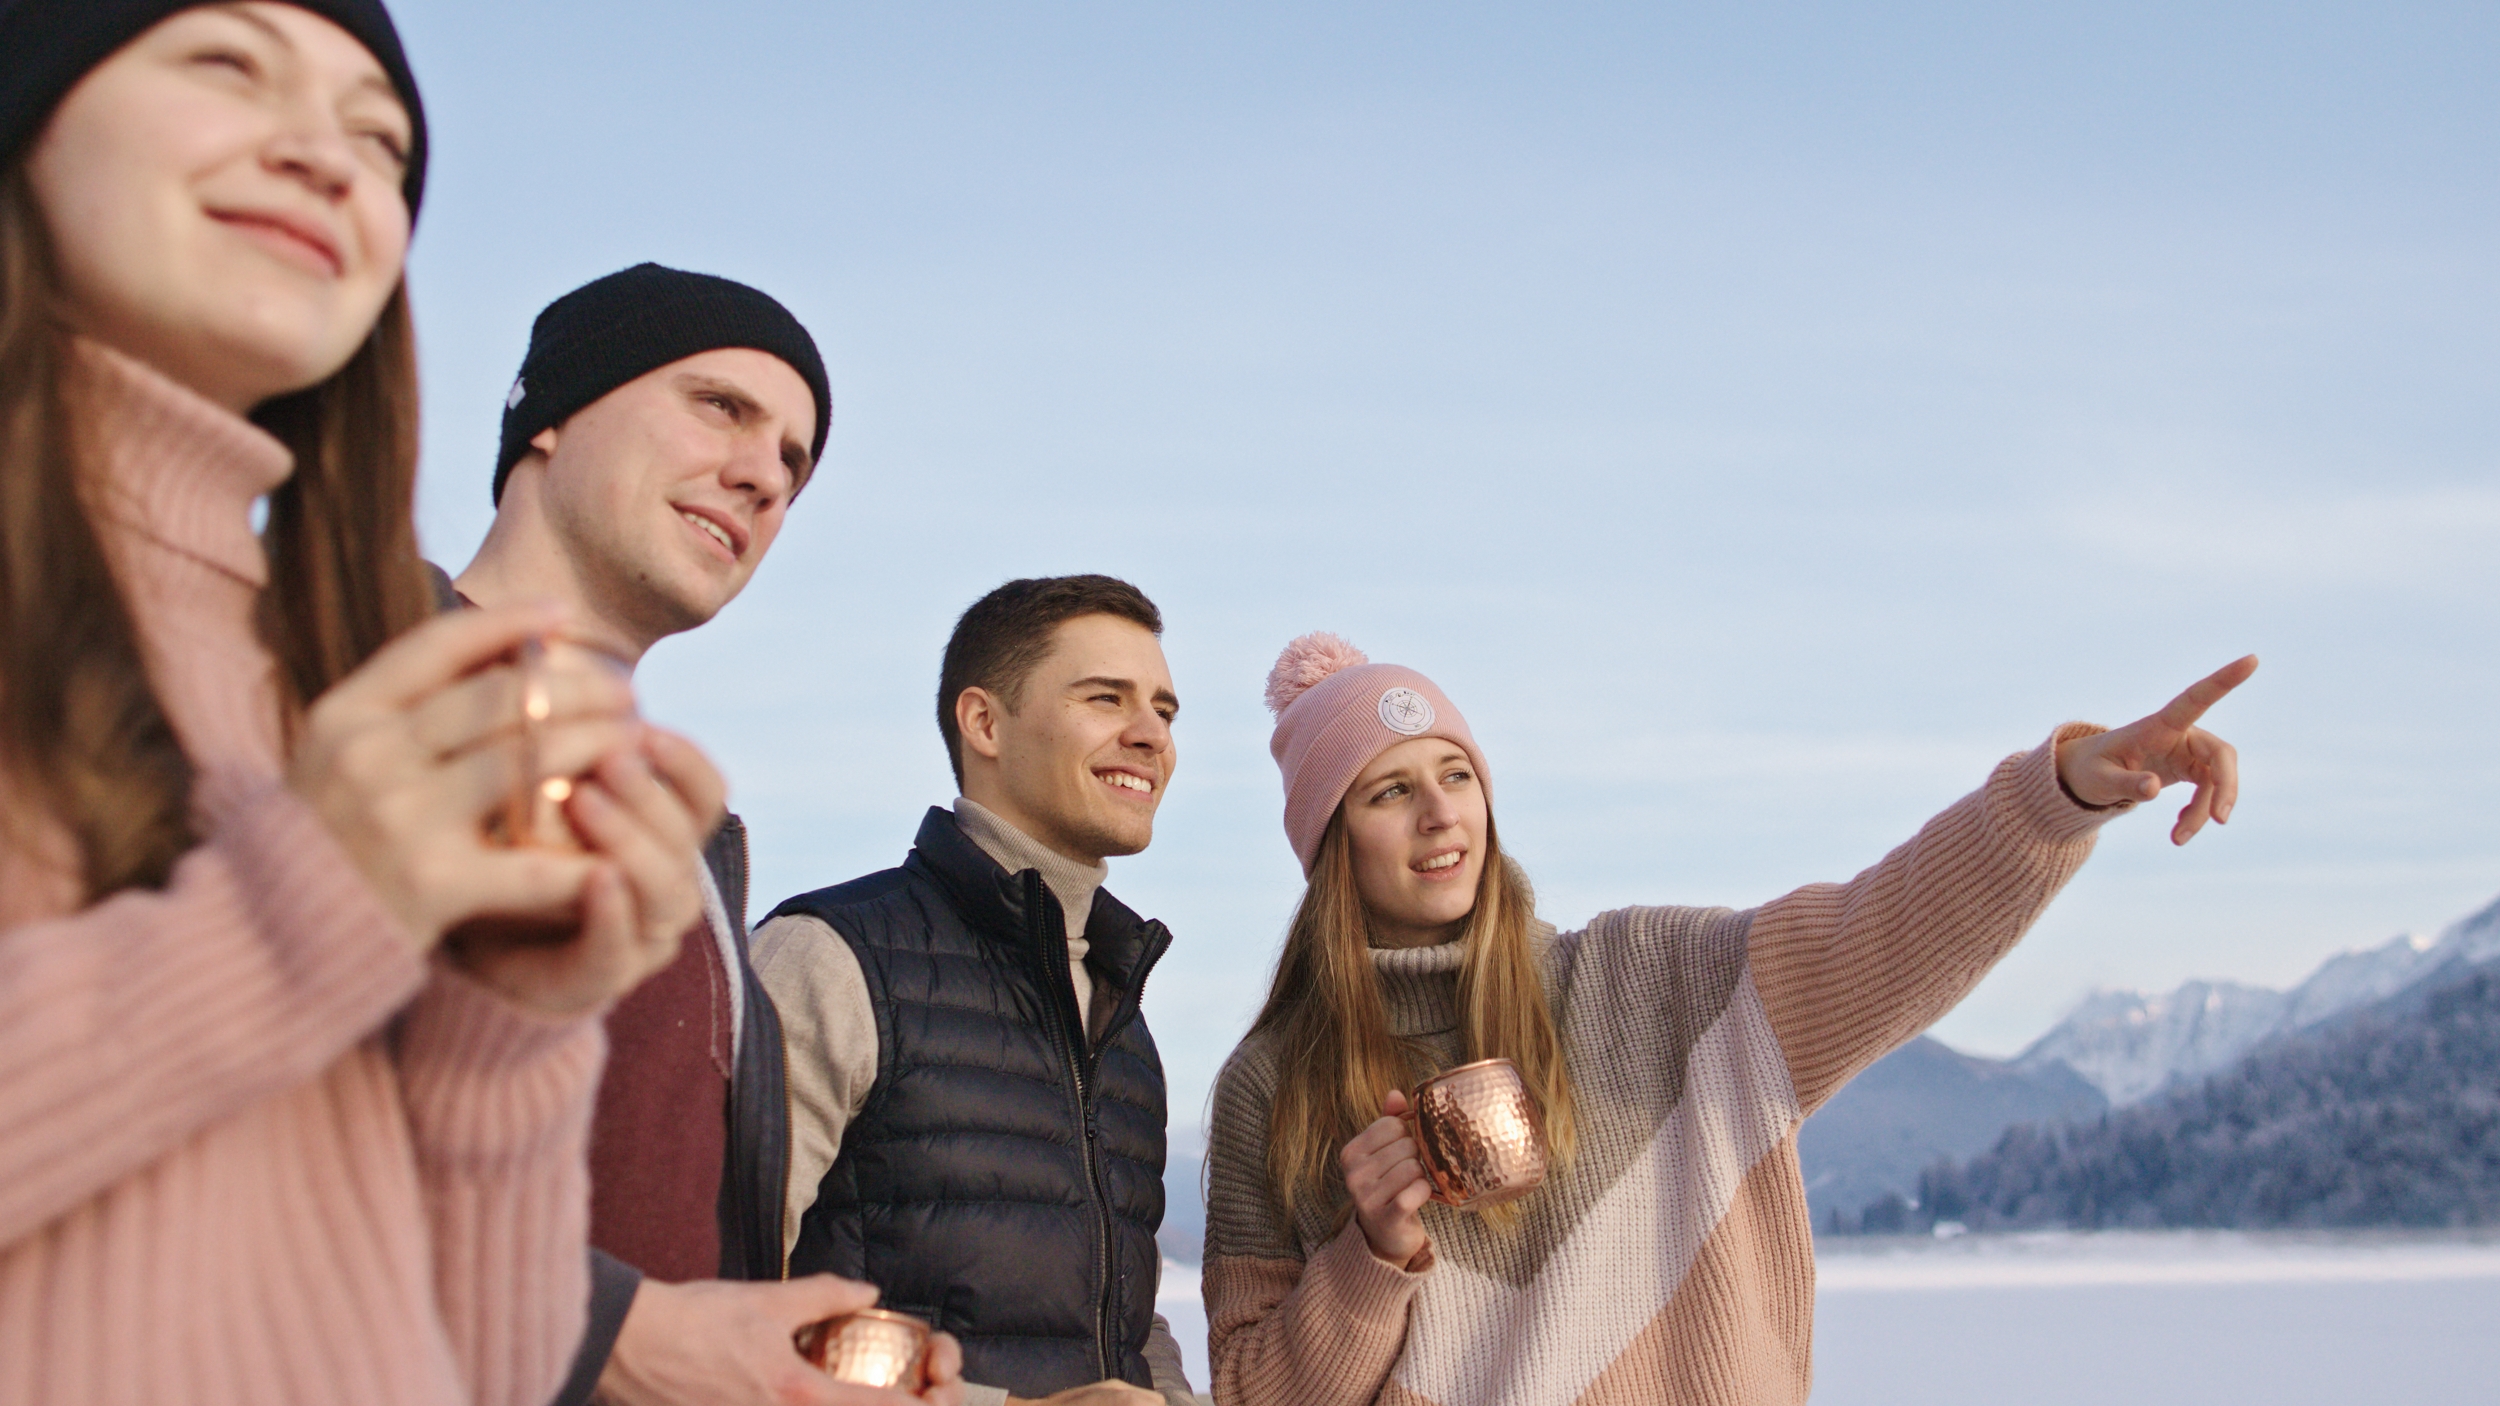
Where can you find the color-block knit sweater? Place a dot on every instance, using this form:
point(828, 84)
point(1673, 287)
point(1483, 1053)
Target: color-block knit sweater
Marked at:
point(254, 1149)
point(1672, 1261)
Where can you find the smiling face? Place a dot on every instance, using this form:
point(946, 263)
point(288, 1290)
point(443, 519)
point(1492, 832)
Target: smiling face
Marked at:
point(1080, 757)
point(663, 495)
point(1416, 819)
point(223, 199)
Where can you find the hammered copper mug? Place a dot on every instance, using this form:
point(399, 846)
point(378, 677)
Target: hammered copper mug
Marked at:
point(873, 1347)
point(532, 815)
point(1478, 1135)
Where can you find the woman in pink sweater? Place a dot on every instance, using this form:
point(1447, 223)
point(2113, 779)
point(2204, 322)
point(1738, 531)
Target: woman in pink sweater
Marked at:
point(1667, 1257)
point(265, 1135)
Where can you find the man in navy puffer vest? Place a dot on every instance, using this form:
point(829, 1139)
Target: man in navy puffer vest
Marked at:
point(977, 1108)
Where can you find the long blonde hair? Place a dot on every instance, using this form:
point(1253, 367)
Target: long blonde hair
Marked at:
point(1338, 1055)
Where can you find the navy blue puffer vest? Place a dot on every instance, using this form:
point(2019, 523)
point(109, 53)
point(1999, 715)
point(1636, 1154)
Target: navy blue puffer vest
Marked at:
point(1003, 1181)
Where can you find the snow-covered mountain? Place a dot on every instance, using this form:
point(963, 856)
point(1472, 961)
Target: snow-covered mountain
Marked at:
point(2130, 1045)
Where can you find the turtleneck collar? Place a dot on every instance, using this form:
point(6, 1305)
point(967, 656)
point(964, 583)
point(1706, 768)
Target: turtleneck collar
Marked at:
point(1072, 883)
point(173, 478)
point(1419, 986)
point(173, 466)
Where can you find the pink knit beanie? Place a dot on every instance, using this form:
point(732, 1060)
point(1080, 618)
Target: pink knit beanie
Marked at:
point(1336, 711)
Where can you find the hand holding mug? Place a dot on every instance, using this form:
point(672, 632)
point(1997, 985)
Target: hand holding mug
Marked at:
point(1385, 1177)
point(405, 758)
point(643, 813)
point(734, 1344)
point(410, 758)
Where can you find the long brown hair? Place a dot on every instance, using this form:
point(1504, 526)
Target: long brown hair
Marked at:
point(83, 739)
point(1337, 1055)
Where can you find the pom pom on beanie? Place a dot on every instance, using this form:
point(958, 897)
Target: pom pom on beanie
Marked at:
point(1335, 712)
point(1305, 662)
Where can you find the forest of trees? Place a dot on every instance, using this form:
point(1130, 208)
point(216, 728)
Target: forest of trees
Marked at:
point(2389, 1117)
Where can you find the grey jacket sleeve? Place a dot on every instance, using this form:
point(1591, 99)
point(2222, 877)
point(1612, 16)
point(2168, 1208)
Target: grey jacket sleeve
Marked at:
point(1163, 1358)
point(613, 1284)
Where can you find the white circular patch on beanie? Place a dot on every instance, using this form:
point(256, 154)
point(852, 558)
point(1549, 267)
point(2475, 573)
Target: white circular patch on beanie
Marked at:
point(1405, 712)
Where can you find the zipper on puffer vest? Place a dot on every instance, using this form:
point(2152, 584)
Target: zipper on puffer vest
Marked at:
point(1042, 909)
point(1084, 1056)
point(1132, 1007)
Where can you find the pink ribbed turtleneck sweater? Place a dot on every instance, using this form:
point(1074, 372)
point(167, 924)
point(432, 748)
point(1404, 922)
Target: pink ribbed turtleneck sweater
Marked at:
point(253, 1147)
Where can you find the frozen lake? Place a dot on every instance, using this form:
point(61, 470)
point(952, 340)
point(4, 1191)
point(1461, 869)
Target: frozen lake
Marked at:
point(2286, 1320)
point(2187, 1317)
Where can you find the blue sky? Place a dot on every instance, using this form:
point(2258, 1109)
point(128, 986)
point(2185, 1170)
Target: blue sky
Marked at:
point(1759, 420)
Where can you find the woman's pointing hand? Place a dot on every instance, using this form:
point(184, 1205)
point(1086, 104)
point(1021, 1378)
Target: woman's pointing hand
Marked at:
point(2135, 762)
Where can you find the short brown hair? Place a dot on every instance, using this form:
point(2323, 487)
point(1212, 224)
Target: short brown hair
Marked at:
point(1004, 637)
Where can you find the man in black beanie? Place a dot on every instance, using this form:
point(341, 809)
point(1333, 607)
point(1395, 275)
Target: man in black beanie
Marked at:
point(661, 424)
point(656, 545)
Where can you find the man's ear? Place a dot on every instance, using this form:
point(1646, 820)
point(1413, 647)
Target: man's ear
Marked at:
point(545, 441)
point(978, 714)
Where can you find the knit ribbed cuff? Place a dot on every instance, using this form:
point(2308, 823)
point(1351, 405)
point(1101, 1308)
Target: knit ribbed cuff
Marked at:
point(490, 1081)
point(2028, 797)
point(1357, 1284)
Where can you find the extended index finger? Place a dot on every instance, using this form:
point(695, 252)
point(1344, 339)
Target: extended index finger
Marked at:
point(2183, 711)
point(446, 648)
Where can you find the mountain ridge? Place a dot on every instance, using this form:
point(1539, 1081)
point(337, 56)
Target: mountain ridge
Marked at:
point(2388, 1115)
point(1926, 1103)
point(2132, 1046)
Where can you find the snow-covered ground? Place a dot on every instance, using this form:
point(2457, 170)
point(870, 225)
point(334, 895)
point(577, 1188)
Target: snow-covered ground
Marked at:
point(2051, 1319)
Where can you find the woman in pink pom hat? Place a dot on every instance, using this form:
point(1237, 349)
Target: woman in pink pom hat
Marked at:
point(1673, 1054)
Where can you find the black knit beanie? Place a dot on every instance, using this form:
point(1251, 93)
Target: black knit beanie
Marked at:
point(46, 46)
point(611, 330)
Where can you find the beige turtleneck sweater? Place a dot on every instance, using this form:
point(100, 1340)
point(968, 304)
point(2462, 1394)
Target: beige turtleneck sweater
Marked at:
point(254, 1149)
point(1670, 1263)
point(815, 982)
